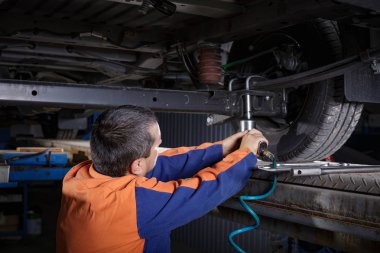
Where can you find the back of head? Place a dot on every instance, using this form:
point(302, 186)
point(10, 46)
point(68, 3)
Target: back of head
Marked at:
point(120, 136)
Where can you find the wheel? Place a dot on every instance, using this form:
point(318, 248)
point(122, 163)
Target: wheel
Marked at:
point(319, 118)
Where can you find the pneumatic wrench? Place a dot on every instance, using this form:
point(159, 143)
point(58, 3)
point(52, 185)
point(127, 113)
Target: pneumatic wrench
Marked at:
point(247, 123)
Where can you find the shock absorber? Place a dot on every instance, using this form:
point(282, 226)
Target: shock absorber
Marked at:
point(247, 122)
point(210, 70)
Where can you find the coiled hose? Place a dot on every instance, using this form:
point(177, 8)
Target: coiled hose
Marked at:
point(250, 211)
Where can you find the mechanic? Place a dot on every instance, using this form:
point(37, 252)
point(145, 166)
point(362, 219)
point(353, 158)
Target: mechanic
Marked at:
point(129, 198)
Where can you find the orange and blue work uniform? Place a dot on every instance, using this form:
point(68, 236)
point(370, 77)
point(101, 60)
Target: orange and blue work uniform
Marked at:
point(100, 213)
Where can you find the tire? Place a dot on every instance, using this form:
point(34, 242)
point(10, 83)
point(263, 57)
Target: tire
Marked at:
point(325, 119)
point(324, 125)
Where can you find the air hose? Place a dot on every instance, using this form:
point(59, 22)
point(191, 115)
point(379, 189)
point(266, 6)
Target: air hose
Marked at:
point(271, 157)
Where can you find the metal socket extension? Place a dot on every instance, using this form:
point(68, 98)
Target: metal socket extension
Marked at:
point(247, 125)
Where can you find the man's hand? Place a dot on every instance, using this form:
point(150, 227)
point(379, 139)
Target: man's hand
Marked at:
point(232, 143)
point(252, 140)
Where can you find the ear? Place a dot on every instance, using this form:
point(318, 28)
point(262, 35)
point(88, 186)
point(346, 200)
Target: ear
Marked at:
point(138, 167)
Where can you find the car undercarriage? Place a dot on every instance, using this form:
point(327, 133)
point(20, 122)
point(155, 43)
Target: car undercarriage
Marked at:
point(291, 68)
point(298, 70)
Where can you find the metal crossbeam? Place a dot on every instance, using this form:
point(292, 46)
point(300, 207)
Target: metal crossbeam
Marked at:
point(98, 97)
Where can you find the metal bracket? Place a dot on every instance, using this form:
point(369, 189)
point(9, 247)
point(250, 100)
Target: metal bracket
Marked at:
point(214, 119)
point(362, 83)
point(255, 102)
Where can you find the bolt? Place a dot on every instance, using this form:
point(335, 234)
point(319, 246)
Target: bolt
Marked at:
point(375, 67)
point(210, 120)
point(228, 104)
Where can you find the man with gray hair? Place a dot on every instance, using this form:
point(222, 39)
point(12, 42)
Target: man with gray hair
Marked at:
point(129, 198)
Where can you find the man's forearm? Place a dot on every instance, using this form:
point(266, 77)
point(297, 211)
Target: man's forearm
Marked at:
point(185, 162)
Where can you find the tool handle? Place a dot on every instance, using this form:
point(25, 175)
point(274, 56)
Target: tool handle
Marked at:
point(262, 147)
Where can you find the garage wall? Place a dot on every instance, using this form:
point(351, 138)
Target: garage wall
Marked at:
point(180, 129)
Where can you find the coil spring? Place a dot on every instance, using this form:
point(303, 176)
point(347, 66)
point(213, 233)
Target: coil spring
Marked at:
point(210, 71)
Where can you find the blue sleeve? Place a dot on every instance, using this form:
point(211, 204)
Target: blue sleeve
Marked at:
point(164, 206)
point(185, 165)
